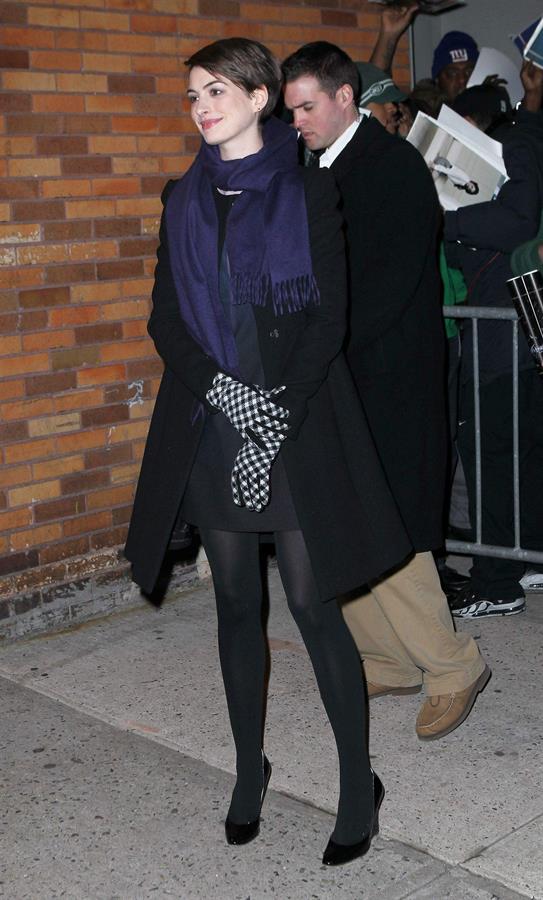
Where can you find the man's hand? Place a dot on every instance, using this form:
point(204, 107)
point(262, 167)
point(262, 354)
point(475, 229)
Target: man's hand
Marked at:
point(495, 80)
point(395, 19)
point(532, 81)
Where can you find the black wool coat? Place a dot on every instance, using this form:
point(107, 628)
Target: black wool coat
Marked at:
point(350, 523)
point(396, 341)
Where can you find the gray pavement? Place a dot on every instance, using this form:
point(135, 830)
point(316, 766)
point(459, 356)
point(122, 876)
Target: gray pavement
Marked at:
point(116, 770)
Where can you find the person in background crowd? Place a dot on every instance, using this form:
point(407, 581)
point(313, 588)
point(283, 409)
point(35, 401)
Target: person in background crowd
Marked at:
point(480, 239)
point(395, 349)
point(408, 110)
point(380, 96)
point(257, 426)
point(384, 100)
point(453, 63)
point(487, 106)
point(529, 256)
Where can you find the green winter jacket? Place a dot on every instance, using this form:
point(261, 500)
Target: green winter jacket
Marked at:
point(454, 290)
point(526, 257)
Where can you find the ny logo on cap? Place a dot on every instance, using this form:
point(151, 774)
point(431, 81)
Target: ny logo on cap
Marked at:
point(459, 55)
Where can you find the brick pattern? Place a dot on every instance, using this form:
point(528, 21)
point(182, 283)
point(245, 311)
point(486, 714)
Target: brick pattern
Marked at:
point(92, 124)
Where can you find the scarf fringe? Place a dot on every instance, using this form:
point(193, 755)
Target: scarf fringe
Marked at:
point(288, 296)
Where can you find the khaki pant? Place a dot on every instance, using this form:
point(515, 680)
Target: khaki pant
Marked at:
point(405, 633)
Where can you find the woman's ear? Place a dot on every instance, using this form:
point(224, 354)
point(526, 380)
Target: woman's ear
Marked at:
point(260, 97)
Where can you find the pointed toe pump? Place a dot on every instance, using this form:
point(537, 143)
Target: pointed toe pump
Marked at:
point(247, 831)
point(339, 854)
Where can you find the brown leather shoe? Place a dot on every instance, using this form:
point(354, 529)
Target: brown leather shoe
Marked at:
point(443, 713)
point(381, 690)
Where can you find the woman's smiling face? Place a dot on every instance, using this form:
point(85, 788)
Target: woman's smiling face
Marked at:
point(226, 115)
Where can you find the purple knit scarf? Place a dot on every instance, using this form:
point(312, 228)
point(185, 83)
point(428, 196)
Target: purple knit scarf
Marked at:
point(267, 238)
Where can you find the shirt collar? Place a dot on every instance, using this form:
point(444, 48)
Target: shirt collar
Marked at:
point(332, 152)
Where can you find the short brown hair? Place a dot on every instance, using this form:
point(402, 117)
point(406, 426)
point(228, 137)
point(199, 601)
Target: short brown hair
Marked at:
point(246, 63)
point(329, 64)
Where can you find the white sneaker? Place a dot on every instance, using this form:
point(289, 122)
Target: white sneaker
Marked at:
point(466, 604)
point(532, 581)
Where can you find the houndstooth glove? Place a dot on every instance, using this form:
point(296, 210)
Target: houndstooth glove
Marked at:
point(252, 471)
point(248, 407)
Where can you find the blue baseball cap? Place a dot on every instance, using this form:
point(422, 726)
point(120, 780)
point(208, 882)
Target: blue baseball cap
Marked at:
point(454, 47)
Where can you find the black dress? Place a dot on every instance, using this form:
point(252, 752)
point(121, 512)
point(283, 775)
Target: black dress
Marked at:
point(208, 500)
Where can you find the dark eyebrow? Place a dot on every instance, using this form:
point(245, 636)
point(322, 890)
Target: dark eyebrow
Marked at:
point(209, 83)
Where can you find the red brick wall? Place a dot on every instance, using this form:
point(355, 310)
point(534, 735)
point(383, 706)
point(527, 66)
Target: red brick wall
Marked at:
point(92, 123)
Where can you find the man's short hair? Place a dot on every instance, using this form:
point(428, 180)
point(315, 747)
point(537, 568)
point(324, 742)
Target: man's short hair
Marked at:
point(330, 65)
point(487, 104)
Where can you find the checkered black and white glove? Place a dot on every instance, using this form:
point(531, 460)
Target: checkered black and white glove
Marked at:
point(249, 408)
point(252, 470)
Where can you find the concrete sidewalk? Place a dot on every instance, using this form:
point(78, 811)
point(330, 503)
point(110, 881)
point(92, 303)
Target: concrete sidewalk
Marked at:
point(117, 760)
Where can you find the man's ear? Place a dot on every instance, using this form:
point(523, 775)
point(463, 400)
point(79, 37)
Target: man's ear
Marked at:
point(345, 95)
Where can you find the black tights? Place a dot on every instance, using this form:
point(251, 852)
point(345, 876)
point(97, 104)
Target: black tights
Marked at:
point(235, 564)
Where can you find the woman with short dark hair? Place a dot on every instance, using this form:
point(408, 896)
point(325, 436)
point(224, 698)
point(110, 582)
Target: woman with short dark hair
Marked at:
point(257, 427)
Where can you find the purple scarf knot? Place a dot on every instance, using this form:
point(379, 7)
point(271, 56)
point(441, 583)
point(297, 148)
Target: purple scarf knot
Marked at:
point(267, 238)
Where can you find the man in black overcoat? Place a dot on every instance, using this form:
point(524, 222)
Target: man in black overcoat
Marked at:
point(395, 349)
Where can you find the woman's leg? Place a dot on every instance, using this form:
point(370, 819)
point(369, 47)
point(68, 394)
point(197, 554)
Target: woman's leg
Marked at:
point(235, 565)
point(339, 676)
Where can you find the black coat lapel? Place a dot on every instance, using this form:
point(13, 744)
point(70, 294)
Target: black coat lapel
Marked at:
point(362, 145)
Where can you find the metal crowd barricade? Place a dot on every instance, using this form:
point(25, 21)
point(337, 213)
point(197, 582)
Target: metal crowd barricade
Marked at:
point(476, 547)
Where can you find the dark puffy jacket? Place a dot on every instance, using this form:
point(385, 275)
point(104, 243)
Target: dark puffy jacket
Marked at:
point(480, 239)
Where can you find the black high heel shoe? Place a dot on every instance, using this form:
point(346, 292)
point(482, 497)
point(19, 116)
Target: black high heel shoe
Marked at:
point(338, 854)
point(242, 834)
